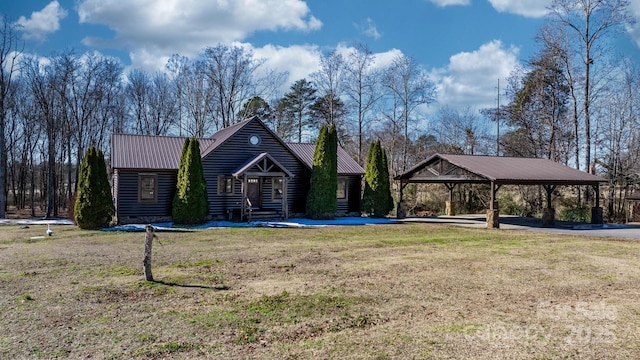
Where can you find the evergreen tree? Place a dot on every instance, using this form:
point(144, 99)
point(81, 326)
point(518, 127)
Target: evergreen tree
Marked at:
point(385, 182)
point(377, 199)
point(322, 202)
point(190, 202)
point(94, 205)
point(296, 106)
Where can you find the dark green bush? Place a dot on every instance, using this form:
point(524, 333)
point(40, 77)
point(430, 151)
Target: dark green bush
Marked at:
point(377, 200)
point(190, 202)
point(579, 213)
point(321, 201)
point(93, 207)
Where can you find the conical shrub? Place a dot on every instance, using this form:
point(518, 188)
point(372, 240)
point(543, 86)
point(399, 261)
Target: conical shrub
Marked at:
point(93, 208)
point(190, 202)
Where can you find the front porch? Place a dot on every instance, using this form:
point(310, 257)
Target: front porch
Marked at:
point(264, 183)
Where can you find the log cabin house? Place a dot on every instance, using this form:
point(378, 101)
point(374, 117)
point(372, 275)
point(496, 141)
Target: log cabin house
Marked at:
point(251, 173)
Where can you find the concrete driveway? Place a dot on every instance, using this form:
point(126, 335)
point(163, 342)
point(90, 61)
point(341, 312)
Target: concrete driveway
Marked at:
point(510, 222)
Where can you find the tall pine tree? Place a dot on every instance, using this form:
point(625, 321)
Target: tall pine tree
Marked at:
point(377, 199)
point(321, 201)
point(190, 202)
point(94, 205)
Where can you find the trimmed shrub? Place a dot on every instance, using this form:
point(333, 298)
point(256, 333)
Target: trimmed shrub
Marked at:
point(190, 202)
point(377, 200)
point(321, 201)
point(93, 206)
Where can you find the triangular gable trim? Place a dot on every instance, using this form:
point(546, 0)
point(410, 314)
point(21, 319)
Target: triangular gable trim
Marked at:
point(256, 161)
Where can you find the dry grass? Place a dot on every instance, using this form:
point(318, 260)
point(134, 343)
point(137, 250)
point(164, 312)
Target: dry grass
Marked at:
point(379, 292)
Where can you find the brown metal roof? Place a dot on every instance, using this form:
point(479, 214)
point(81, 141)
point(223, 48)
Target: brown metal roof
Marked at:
point(501, 170)
point(346, 164)
point(149, 152)
point(163, 152)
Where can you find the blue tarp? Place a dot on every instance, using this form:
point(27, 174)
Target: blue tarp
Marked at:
point(289, 223)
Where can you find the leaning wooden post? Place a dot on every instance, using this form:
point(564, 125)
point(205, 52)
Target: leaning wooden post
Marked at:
point(146, 261)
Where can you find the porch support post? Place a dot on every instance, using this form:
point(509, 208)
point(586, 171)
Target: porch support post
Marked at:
point(244, 197)
point(285, 200)
point(493, 214)
point(549, 213)
point(450, 206)
point(596, 211)
point(399, 210)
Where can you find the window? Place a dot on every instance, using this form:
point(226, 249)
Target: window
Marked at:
point(225, 185)
point(341, 192)
point(147, 187)
point(278, 187)
point(254, 140)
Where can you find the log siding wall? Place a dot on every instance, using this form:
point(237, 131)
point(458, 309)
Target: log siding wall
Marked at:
point(236, 151)
point(129, 209)
point(223, 161)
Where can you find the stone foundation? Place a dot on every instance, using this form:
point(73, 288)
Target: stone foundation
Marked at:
point(450, 208)
point(597, 215)
point(549, 217)
point(493, 219)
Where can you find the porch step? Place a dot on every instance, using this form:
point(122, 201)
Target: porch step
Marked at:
point(265, 215)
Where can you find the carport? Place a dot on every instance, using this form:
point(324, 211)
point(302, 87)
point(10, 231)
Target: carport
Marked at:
point(497, 171)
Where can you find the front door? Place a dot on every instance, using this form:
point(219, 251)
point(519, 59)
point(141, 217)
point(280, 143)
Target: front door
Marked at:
point(253, 191)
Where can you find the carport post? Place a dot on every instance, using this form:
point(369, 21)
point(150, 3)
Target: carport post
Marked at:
point(493, 214)
point(549, 213)
point(450, 206)
point(596, 211)
point(399, 211)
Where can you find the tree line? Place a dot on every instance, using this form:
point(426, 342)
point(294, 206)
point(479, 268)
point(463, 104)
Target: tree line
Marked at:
point(571, 102)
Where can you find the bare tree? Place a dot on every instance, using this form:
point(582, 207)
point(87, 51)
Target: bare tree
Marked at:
point(198, 100)
point(362, 87)
point(43, 82)
point(152, 103)
point(410, 89)
point(178, 68)
point(10, 50)
point(329, 81)
point(615, 140)
point(27, 142)
point(230, 72)
point(590, 21)
point(461, 131)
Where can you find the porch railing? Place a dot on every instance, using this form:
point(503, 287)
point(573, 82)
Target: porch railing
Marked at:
point(249, 208)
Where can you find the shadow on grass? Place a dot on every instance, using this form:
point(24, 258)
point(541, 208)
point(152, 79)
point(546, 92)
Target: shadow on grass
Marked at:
point(189, 286)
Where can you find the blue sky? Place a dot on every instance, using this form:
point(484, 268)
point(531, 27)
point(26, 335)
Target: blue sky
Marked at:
point(466, 45)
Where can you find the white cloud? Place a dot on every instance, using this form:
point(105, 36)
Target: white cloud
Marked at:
point(471, 78)
point(298, 60)
point(527, 8)
point(369, 28)
point(443, 3)
point(159, 28)
point(42, 22)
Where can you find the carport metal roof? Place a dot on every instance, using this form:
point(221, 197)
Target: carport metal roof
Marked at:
point(456, 169)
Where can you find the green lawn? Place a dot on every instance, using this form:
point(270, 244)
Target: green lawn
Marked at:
point(402, 291)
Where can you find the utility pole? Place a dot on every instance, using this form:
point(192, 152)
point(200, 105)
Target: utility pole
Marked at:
point(498, 122)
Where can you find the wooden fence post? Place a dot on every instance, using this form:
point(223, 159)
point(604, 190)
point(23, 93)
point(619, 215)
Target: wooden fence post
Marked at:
point(146, 261)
